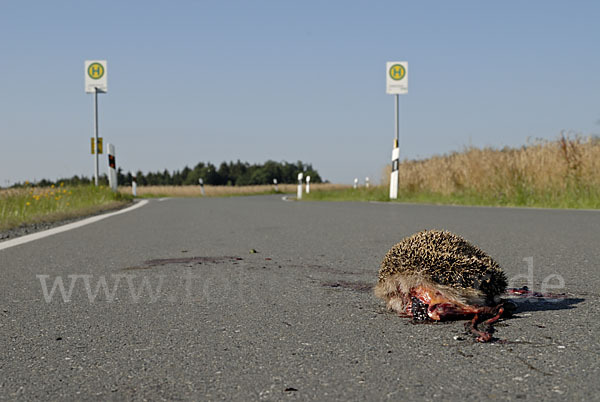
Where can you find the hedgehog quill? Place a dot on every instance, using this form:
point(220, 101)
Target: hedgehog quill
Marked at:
point(436, 275)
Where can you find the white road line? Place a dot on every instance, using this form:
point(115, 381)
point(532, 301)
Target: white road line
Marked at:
point(40, 235)
point(164, 199)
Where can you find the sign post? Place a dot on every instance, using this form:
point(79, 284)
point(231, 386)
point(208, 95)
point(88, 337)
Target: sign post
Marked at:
point(96, 82)
point(112, 168)
point(299, 192)
point(396, 84)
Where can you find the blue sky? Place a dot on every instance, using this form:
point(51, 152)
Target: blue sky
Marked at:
point(192, 81)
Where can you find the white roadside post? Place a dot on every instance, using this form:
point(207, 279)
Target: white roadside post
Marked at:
point(96, 82)
point(134, 186)
point(355, 183)
point(394, 174)
point(112, 168)
point(276, 187)
point(201, 182)
point(307, 184)
point(299, 193)
point(367, 182)
point(396, 84)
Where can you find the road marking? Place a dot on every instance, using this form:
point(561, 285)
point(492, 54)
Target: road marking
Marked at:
point(40, 235)
point(164, 199)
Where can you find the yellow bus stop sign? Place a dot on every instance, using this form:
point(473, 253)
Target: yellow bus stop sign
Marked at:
point(96, 76)
point(397, 72)
point(95, 71)
point(396, 77)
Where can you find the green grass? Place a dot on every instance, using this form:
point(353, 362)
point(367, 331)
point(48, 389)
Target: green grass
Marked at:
point(577, 198)
point(373, 193)
point(33, 205)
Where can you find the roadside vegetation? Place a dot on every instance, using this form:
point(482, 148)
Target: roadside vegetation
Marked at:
point(30, 204)
point(223, 191)
point(564, 173)
point(227, 174)
point(552, 174)
point(51, 201)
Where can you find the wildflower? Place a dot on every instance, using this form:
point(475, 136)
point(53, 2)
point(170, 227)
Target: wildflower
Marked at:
point(52, 186)
point(26, 182)
point(68, 204)
point(28, 203)
point(62, 184)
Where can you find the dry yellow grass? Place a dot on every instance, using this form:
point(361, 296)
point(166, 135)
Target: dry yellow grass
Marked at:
point(543, 167)
point(221, 191)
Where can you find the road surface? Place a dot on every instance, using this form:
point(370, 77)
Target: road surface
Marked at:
point(190, 311)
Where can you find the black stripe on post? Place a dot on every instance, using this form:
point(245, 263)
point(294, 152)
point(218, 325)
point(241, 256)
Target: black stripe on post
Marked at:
point(112, 162)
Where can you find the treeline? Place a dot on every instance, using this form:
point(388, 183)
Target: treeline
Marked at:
point(227, 174)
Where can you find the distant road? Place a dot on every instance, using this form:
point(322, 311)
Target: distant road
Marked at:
point(190, 311)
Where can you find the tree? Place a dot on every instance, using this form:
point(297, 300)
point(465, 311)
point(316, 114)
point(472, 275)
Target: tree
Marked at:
point(233, 173)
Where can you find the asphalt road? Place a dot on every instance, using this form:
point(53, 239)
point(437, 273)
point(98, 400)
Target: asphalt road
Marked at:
point(296, 319)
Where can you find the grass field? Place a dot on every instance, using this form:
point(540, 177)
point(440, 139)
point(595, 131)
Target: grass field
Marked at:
point(28, 205)
point(50, 204)
point(551, 174)
point(222, 191)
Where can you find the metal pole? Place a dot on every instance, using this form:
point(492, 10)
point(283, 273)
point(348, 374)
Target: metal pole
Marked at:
point(96, 135)
point(395, 154)
point(397, 122)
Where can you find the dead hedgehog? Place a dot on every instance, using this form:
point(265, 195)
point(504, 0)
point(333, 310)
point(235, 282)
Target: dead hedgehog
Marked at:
point(436, 275)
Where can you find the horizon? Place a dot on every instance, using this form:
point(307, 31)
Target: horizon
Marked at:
point(103, 175)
